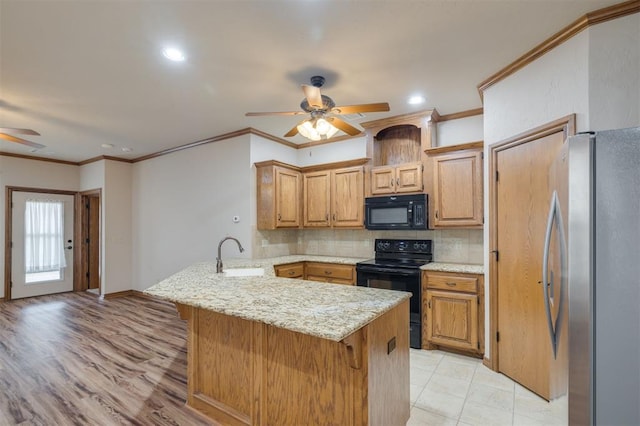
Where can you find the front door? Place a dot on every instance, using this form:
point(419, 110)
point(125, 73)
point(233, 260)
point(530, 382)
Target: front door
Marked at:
point(523, 191)
point(41, 243)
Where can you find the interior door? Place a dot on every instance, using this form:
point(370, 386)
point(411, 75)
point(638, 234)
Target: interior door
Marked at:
point(523, 194)
point(36, 268)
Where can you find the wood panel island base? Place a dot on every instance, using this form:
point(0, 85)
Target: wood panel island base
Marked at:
point(243, 372)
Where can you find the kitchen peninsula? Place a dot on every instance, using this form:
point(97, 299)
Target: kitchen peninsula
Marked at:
point(264, 350)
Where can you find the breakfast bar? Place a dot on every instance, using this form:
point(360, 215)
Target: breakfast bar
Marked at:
point(264, 350)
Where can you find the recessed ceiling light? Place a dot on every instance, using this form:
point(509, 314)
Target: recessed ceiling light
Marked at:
point(107, 145)
point(173, 54)
point(126, 149)
point(416, 99)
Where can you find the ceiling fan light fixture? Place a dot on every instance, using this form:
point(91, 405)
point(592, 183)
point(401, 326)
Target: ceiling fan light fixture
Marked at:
point(308, 130)
point(316, 129)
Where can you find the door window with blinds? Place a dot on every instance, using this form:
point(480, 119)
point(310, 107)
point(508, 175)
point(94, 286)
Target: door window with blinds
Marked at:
point(44, 255)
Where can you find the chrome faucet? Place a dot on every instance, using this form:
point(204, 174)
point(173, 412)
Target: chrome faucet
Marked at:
point(219, 258)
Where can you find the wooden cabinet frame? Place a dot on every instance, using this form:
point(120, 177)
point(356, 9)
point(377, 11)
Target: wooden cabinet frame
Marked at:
point(457, 186)
point(453, 311)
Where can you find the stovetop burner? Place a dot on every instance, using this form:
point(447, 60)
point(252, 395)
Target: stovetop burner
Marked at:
point(396, 253)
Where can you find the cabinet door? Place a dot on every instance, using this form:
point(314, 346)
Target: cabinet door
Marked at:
point(457, 193)
point(317, 198)
point(347, 197)
point(288, 187)
point(452, 319)
point(409, 178)
point(383, 180)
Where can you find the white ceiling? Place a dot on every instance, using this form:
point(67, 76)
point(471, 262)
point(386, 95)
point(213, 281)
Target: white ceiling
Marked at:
point(86, 73)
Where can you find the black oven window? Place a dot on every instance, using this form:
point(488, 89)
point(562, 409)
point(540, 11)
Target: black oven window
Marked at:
point(388, 215)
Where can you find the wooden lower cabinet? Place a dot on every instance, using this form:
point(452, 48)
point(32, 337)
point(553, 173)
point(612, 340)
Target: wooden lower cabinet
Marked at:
point(290, 270)
point(330, 273)
point(242, 372)
point(335, 273)
point(453, 311)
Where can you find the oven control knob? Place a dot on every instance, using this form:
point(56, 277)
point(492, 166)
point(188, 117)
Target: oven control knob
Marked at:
point(423, 246)
point(387, 245)
point(416, 246)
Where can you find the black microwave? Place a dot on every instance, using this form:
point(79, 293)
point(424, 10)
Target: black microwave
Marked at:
point(396, 212)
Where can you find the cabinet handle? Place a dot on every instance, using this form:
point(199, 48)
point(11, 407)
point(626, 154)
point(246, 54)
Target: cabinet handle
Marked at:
point(327, 216)
point(292, 272)
point(429, 304)
point(391, 181)
point(334, 216)
point(279, 216)
point(436, 214)
point(397, 181)
point(328, 272)
point(451, 284)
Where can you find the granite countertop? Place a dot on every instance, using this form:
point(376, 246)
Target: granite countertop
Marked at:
point(329, 311)
point(454, 267)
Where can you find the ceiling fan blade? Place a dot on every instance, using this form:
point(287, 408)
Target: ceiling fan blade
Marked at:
point(256, 114)
point(342, 125)
point(21, 141)
point(19, 131)
point(293, 131)
point(353, 109)
point(313, 95)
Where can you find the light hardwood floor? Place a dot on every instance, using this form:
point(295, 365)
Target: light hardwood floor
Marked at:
point(72, 359)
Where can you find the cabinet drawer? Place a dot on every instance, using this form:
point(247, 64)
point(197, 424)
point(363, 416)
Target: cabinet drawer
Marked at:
point(452, 282)
point(291, 270)
point(330, 270)
point(330, 280)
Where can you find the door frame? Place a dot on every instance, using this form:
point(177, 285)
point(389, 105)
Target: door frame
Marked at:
point(567, 125)
point(8, 230)
point(81, 224)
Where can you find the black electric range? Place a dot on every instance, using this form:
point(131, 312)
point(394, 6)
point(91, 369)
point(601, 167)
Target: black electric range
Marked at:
point(396, 266)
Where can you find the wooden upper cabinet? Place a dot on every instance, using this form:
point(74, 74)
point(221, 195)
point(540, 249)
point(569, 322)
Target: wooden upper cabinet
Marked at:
point(279, 193)
point(457, 188)
point(317, 198)
point(347, 195)
point(334, 198)
point(399, 179)
point(397, 146)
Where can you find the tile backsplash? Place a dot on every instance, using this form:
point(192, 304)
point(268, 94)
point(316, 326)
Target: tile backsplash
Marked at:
point(449, 246)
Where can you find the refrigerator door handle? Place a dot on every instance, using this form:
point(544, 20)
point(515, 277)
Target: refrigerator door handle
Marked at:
point(546, 286)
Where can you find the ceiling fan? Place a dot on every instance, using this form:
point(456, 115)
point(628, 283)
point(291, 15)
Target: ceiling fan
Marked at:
point(4, 134)
point(323, 122)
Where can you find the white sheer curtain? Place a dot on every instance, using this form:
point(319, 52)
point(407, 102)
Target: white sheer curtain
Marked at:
point(44, 236)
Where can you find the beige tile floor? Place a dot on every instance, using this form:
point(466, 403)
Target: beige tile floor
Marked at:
point(449, 389)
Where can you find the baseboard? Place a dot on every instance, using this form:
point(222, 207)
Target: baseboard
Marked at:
point(487, 363)
point(1, 299)
point(124, 293)
point(139, 293)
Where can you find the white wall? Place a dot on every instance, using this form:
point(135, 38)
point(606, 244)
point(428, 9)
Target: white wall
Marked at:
point(614, 74)
point(183, 204)
point(32, 174)
point(116, 268)
point(349, 149)
point(595, 75)
point(461, 130)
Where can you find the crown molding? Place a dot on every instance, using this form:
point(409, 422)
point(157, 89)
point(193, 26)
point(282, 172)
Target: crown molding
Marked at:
point(461, 114)
point(592, 18)
point(32, 157)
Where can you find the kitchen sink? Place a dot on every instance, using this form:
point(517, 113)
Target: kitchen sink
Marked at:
point(244, 272)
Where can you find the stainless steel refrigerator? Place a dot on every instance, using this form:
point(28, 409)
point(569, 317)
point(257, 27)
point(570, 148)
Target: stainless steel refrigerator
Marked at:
point(592, 270)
